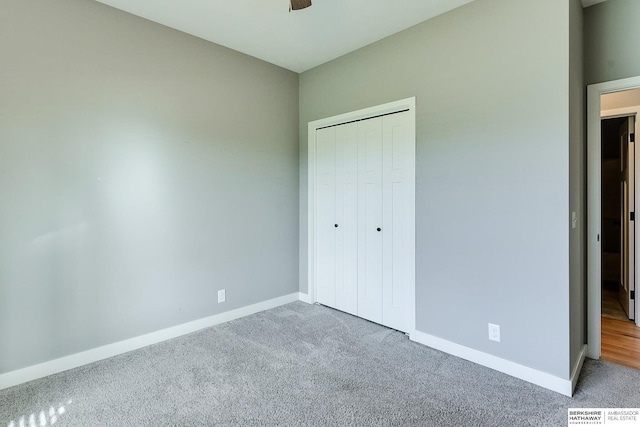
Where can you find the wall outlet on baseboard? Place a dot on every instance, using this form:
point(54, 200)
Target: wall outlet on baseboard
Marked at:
point(494, 332)
point(221, 296)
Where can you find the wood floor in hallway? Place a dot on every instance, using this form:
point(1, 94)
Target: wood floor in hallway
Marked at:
point(621, 342)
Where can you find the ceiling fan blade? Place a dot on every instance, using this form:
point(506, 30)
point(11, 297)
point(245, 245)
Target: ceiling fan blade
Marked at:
point(300, 4)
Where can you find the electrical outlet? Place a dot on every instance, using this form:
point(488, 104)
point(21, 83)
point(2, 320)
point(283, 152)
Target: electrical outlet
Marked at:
point(221, 296)
point(494, 332)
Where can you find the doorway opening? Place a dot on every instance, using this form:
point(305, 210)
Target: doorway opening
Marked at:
point(612, 158)
point(618, 216)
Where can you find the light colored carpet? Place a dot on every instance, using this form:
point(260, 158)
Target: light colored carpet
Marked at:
point(302, 365)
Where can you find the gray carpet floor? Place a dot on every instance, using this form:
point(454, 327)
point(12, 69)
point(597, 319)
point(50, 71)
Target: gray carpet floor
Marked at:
point(302, 365)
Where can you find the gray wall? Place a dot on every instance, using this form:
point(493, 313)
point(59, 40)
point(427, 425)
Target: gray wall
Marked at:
point(141, 170)
point(492, 85)
point(612, 41)
point(577, 181)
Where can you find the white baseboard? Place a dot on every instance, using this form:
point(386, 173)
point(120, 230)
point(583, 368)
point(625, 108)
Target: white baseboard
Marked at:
point(542, 379)
point(575, 373)
point(305, 297)
point(522, 372)
point(41, 370)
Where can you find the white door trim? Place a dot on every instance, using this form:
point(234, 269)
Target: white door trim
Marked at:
point(621, 112)
point(391, 107)
point(594, 295)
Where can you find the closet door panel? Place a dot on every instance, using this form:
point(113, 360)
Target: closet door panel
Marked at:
point(347, 218)
point(397, 172)
point(326, 216)
point(370, 219)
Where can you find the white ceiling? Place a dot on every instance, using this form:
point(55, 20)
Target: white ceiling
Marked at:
point(297, 40)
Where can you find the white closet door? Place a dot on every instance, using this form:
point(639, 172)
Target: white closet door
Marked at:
point(347, 218)
point(398, 206)
point(326, 216)
point(370, 230)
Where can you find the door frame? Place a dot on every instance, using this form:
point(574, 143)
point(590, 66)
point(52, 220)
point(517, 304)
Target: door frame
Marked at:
point(366, 113)
point(594, 202)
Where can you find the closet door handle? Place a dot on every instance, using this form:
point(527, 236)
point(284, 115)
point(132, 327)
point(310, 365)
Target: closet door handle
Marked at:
point(336, 225)
point(379, 229)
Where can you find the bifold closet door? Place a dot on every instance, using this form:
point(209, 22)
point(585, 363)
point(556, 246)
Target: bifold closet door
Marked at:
point(326, 216)
point(398, 237)
point(337, 216)
point(347, 218)
point(370, 231)
point(364, 215)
